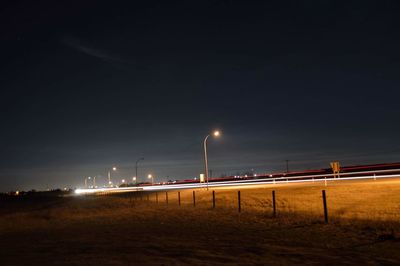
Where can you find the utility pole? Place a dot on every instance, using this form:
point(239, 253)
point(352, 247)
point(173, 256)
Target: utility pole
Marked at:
point(136, 167)
point(287, 166)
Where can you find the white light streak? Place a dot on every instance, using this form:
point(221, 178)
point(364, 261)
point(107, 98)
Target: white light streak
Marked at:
point(265, 181)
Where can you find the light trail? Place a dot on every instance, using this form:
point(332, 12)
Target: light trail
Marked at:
point(258, 182)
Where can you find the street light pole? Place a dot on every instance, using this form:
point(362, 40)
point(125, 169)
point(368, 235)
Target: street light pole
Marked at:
point(152, 179)
point(136, 167)
point(216, 134)
point(287, 166)
point(109, 175)
point(206, 159)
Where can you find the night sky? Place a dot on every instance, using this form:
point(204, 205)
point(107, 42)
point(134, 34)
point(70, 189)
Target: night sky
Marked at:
point(86, 86)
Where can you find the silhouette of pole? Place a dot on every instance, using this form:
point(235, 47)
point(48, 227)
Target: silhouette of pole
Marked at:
point(136, 167)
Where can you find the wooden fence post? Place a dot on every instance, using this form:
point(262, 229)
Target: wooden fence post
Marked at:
point(166, 197)
point(194, 198)
point(325, 207)
point(179, 198)
point(239, 205)
point(157, 197)
point(273, 203)
point(213, 194)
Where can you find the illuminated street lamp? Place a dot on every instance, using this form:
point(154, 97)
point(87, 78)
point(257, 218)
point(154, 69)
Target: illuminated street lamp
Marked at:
point(215, 134)
point(134, 179)
point(109, 175)
point(152, 179)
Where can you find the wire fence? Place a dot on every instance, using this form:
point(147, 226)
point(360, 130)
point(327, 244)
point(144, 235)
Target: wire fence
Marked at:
point(372, 200)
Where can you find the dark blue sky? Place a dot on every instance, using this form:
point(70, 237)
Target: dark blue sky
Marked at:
point(88, 85)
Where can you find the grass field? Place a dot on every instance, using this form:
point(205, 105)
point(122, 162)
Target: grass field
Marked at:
point(126, 229)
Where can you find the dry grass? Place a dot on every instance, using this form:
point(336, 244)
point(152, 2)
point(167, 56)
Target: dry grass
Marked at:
point(122, 230)
point(367, 200)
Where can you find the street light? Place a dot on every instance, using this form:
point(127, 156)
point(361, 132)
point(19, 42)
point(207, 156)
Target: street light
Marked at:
point(215, 134)
point(152, 179)
point(109, 175)
point(138, 160)
point(134, 179)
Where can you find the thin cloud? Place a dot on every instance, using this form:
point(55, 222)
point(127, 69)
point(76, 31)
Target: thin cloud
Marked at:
point(76, 44)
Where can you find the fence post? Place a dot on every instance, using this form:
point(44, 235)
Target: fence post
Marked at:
point(325, 207)
point(213, 199)
point(194, 198)
point(166, 197)
point(273, 203)
point(239, 205)
point(157, 197)
point(179, 198)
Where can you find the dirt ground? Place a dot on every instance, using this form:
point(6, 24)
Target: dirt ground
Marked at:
point(123, 230)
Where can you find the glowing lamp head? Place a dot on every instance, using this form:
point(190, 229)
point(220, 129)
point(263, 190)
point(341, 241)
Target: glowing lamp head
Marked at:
point(216, 133)
point(114, 168)
point(149, 176)
point(123, 180)
point(134, 178)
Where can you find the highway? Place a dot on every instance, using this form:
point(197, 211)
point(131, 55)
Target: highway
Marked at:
point(365, 175)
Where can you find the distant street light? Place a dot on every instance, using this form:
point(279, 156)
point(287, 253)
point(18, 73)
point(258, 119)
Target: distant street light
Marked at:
point(134, 179)
point(215, 134)
point(109, 175)
point(152, 179)
point(136, 167)
point(123, 181)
